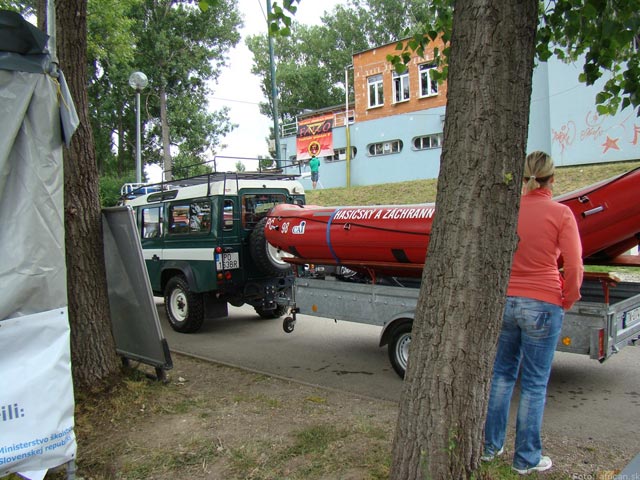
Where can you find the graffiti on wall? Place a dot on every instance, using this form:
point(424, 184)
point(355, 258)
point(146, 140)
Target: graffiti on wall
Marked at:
point(604, 133)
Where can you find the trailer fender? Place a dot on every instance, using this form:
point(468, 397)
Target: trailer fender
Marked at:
point(388, 329)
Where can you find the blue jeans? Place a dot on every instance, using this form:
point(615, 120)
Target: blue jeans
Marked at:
point(530, 331)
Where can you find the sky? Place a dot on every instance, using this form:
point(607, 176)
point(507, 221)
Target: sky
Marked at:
point(239, 90)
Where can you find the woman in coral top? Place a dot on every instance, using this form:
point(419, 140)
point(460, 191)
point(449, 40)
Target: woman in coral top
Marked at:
point(537, 298)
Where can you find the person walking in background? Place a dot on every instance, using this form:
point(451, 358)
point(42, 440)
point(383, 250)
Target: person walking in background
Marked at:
point(314, 165)
point(537, 297)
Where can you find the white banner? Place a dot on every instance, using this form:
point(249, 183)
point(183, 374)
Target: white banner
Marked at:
point(36, 393)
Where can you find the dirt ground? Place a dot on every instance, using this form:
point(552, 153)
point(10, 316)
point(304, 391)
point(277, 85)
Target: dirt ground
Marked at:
point(214, 422)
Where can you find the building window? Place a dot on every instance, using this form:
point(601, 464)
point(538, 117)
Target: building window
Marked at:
point(427, 142)
point(340, 154)
point(428, 86)
point(400, 87)
point(385, 148)
point(376, 96)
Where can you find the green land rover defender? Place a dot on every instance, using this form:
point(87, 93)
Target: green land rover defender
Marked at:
point(204, 246)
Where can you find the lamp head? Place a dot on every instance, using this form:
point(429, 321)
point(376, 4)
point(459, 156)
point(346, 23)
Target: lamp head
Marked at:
point(138, 80)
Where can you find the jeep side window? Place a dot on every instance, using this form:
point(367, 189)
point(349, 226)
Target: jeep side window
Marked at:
point(151, 222)
point(255, 207)
point(192, 217)
point(179, 218)
point(200, 216)
point(227, 215)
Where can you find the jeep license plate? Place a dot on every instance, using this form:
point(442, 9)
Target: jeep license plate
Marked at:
point(227, 261)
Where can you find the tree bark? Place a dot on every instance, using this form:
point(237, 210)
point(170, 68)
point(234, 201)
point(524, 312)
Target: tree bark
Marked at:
point(93, 353)
point(41, 20)
point(443, 406)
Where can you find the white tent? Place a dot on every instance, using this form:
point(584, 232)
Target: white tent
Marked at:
point(36, 392)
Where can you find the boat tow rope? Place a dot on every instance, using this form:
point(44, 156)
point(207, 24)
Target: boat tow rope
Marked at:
point(333, 253)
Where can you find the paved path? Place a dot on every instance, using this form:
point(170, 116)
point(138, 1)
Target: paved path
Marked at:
point(586, 399)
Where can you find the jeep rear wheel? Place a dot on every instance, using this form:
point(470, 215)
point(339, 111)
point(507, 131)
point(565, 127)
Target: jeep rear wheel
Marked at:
point(185, 309)
point(277, 312)
point(267, 258)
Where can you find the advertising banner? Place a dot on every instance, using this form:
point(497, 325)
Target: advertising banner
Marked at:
point(36, 390)
point(315, 137)
point(36, 375)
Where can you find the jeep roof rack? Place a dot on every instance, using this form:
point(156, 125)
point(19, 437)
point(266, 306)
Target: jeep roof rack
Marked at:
point(291, 171)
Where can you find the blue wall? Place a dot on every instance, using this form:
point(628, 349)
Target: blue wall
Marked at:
point(563, 121)
point(578, 135)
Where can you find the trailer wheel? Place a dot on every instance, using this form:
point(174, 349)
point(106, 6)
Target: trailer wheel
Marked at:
point(267, 258)
point(288, 324)
point(185, 309)
point(399, 348)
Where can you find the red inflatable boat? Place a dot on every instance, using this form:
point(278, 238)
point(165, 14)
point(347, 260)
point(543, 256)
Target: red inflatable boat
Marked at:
point(393, 240)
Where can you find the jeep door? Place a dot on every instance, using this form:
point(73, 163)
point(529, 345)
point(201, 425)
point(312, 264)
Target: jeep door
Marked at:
point(151, 229)
point(189, 242)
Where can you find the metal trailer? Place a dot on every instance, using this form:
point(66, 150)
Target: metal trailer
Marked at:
point(605, 320)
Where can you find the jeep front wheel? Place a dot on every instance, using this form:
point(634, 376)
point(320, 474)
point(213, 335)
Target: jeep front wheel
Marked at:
point(185, 309)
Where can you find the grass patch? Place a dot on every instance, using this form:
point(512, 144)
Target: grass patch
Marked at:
point(567, 180)
point(315, 440)
point(317, 451)
point(144, 463)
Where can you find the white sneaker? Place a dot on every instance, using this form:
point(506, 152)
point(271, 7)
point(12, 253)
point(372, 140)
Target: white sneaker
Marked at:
point(544, 464)
point(488, 457)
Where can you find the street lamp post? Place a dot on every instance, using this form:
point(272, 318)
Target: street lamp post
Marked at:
point(274, 91)
point(346, 123)
point(138, 81)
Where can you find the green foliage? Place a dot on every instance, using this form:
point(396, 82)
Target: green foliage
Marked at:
point(23, 8)
point(304, 77)
point(181, 49)
point(110, 189)
point(265, 163)
point(185, 165)
point(279, 18)
point(110, 50)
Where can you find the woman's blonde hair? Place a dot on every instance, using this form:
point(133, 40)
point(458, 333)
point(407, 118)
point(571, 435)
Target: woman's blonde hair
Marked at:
point(538, 170)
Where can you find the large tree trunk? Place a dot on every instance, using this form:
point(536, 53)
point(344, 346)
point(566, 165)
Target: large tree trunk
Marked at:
point(93, 353)
point(443, 406)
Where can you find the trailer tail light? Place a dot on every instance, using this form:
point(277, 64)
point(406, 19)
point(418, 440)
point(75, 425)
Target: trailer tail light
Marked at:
point(601, 351)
